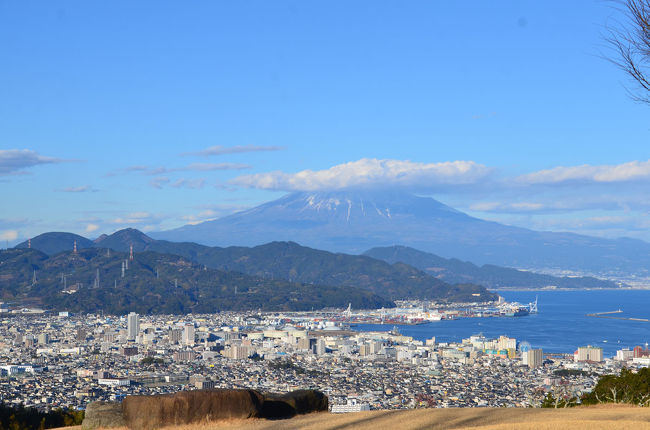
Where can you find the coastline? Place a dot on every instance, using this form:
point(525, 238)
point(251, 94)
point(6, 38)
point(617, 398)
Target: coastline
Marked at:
point(551, 289)
point(560, 326)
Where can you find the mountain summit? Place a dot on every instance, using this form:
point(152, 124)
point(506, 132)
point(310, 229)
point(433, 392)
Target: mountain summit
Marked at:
point(122, 240)
point(55, 242)
point(353, 221)
point(346, 221)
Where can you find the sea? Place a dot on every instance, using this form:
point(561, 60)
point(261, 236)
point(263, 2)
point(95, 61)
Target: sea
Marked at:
point(560, 326)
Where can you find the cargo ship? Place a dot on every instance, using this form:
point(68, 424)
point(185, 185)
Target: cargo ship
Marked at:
point(514, 310)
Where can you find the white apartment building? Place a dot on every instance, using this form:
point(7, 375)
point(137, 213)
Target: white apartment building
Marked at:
point(133, 326)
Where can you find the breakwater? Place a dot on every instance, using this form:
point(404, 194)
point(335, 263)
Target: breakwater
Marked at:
point(609, 315)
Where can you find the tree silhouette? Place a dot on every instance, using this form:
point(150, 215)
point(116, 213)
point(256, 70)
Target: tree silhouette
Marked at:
point(630, 40)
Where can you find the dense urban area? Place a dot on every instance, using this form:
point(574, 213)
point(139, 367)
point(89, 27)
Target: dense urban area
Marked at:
point(65, 361)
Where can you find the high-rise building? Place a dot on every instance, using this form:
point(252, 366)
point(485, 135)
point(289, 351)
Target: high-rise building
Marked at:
point(237, 352)
point(375, 347)
point(625, 354)
point(319, 348)
point(640, 352)
point(306, 343)
point(506, 342)
point(133, 326)
point(364, 350)
point(188, 334)
point(588, 353)
point(175, 335)
point(534, 357)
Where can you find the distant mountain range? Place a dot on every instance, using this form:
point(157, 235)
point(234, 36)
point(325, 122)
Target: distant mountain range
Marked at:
point(457, 271)
point(393, 272)
point(288, 260)
point(354, 221)
point(168, 277)
point(91, 280)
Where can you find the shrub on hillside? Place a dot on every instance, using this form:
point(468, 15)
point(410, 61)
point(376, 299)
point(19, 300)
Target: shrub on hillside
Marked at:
point(628, 387)
point(14, 418)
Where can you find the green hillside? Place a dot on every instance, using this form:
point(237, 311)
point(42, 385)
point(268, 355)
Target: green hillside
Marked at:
point(291, 262)
point(55, 242)
point(156, 283)
point(288, 260)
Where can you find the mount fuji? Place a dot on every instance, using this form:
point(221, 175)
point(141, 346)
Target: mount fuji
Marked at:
point(354, 221)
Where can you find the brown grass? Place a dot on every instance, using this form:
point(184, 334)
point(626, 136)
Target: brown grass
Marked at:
point(606, 417)
point(592, 418)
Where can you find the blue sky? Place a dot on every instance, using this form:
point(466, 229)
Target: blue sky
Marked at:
point(505, 109)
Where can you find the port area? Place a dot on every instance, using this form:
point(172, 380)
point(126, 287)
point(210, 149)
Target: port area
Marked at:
point(415, 312)
point(612, 315)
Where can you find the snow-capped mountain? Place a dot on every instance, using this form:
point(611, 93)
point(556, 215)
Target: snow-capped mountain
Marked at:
point(352, 207)
point(354, 221)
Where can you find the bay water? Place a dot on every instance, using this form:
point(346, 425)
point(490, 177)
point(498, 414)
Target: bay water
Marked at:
point(560, 326)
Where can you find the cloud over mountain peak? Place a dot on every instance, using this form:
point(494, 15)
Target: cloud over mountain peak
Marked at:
point(370, 172)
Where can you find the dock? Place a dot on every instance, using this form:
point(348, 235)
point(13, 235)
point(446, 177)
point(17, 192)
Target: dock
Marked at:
point(609, 314)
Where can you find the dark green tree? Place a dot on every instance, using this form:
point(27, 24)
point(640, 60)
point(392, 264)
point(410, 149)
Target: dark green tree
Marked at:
point(628, 387)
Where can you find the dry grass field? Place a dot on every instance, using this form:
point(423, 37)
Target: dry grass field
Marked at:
point(610, 417)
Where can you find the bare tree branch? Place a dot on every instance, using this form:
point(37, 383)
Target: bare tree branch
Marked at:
point(598, 398)
point(631, 44)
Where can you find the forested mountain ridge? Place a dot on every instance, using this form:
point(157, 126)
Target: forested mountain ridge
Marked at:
point(91, 281)
point(295, 263)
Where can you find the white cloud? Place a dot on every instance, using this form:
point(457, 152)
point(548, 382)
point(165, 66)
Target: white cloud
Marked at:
point(370, 172)
point(596, 225)
point(194, 167)
point(14, 161)
point(507, 207)
point(81, 189)
point(631, 171)
point(212, 212)
point(222, 150)
point(206, 215)
point(133, 218)
point(563, 200)
point(8, 235)
point(15, 222)
point(130, 169)
point(159, 182)
point(194, 184)
point(110, 221)
point(208, 167)
point(607, 220)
